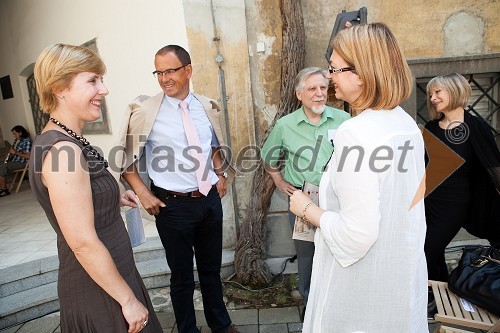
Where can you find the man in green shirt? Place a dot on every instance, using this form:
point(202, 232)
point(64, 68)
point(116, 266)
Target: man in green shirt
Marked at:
point(304, 140)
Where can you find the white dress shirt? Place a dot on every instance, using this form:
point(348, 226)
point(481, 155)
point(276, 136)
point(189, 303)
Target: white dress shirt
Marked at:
point(170, 165)
point(369, 272)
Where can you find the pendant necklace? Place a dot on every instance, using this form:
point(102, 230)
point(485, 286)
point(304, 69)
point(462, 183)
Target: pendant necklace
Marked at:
point(91, 150)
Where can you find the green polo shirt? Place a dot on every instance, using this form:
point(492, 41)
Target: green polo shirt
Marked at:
point(306, 147)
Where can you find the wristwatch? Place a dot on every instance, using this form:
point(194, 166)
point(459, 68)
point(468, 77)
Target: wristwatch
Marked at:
point(223, 174)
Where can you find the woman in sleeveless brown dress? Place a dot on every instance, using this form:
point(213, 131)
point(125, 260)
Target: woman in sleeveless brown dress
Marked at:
point(99, 287)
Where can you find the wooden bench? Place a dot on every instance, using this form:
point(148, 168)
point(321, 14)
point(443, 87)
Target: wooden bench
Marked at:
point(447, 329)
point(450, 310)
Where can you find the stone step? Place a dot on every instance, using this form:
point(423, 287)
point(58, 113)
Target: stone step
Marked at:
point(29, 304)
point(151, 249)
point(25, 276)
point(31, 292)
point(42, 271)
point(156, 274)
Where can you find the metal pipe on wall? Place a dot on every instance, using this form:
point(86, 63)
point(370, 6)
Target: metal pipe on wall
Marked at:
point(222, 83)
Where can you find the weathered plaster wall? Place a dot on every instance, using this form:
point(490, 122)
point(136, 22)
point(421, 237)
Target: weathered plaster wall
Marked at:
point(420, 26)
point(464, 34)
point(250, 43)
point(231, 24)
point(264, 47)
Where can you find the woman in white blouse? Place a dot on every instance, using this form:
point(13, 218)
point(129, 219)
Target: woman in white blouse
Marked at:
point(369, 272)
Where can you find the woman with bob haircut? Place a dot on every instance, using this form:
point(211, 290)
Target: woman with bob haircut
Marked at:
point(369, 271)
point(469, 197)
point(99, 287)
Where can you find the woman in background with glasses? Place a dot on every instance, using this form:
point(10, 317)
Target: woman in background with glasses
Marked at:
point(369, 271)
point(99, 287)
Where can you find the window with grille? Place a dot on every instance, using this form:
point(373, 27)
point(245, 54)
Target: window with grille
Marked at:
point(39, 118)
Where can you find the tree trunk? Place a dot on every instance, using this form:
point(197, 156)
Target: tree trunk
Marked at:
point(249, 263)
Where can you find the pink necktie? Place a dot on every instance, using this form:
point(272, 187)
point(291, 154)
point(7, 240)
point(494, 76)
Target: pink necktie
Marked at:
point(193, 140)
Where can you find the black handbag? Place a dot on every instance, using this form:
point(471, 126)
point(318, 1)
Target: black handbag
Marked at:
point(477, 277)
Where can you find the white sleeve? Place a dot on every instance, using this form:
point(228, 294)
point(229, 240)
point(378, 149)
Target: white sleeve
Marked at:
point(352, 231)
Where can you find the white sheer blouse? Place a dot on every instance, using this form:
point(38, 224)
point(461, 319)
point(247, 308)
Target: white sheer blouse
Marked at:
point(369, 271)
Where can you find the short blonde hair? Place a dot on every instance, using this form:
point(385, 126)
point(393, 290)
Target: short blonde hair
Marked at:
point(378, 60)
point(56, 67)
point(456, 86)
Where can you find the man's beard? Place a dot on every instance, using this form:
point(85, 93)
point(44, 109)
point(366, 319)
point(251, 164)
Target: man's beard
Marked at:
point(318, 109)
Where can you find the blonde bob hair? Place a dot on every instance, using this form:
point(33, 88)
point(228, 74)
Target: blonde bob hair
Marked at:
point(56, 67)
point(458, 89)
point(379, 62)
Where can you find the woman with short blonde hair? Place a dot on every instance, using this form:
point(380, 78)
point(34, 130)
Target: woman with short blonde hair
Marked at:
point(456, 86)
point(369, 272)
point(99, 287)
point(379, 62)
point(469, 197)
point(57, 65)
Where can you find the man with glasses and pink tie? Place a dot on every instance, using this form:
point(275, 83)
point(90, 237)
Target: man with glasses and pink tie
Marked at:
point(183, 163)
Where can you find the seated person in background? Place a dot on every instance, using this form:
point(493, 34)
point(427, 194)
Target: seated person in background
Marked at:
point(17, 157)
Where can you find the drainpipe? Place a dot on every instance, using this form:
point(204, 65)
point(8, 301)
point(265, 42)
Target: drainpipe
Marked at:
point(222, 81)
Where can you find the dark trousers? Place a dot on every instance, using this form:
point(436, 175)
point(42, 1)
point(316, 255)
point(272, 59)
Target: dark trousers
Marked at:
point(183, 225)
point(444, 220)
point(305, 254)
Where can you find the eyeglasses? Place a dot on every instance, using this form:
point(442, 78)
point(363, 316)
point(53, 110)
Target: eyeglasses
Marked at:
point(168, 71)
point(340, 70)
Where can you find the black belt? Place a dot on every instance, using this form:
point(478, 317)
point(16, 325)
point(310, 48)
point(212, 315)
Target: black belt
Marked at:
point(161, 192)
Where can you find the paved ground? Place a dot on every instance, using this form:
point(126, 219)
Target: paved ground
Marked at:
point(280, 320)
point(25, 233)
point(277, 320)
